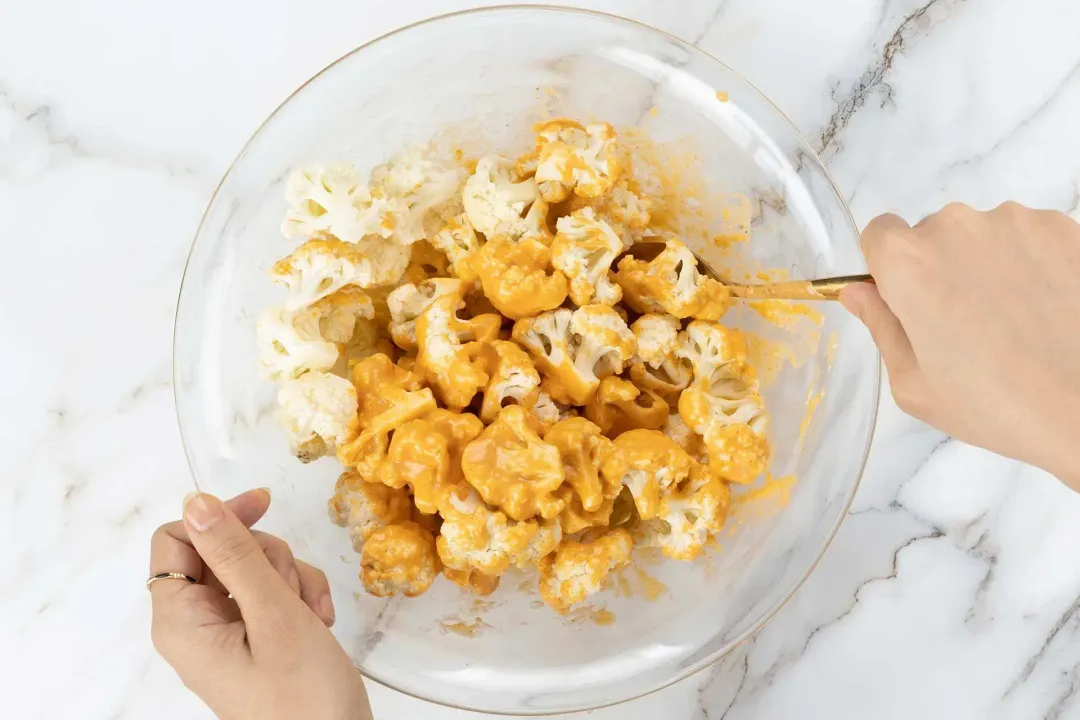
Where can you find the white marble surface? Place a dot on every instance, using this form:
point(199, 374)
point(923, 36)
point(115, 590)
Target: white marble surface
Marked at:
point(951, 592)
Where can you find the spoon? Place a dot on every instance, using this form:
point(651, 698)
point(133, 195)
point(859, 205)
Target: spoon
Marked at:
point(820, 289)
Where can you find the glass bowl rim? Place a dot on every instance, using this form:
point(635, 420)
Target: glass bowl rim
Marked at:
point(788, 594)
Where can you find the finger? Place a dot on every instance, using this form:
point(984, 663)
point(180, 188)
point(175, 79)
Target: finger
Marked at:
point(249, 507)
point(315, 591)
point(280, 555)
point(864, 302)
point(876, 236)
point(235, 557)
point(171, 549)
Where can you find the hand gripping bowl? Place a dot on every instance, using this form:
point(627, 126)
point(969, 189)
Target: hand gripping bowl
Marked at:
point(486, 69)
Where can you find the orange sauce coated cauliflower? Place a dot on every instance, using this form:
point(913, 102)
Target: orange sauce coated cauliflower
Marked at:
point(671, 283)
point(399, 559)
point(619, 405)
point(654, 463)
point(591, 464)
point(388, 397)
point(512, 468)
point(518, 278)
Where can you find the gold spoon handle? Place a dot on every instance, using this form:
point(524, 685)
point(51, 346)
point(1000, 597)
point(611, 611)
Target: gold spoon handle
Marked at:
point(823, 289)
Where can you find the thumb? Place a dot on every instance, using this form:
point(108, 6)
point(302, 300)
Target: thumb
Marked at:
point(864, 302)
point(233, 555)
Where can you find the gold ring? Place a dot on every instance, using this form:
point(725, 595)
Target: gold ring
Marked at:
point(169, 576)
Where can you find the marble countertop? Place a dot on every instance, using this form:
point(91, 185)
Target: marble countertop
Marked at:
point(950, 592)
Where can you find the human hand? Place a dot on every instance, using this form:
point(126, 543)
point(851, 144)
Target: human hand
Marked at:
point(265, 654)
point(976, 317)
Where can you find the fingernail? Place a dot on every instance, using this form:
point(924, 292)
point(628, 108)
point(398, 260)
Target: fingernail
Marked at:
point(202, 511)
point(266, 490)
point(327, 607)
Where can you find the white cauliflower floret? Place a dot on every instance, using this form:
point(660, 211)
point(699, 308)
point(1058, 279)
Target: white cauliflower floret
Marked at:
point(514, 380)
point(578, 568)
point(571, 158)
point(496, 205)
point(406, 303)
point(577, 348)
point(458, 241)
point(288, 348)
point(671, 283)
point(318, 412)
point(332, 199)
point(657, 338)
point(474, 537)
point(584, 249)
point(712, 350)
point(323, 266)
point(421, 183)
point(292, 343)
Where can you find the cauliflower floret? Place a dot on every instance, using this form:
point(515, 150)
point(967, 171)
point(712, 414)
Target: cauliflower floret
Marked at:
point(288, 349)
point(292, 343)
point(657, 338)
point(418, 457)
point(671, 283)
point(713, 351)
point(332, 199)
point(654, 463)
point(367, 340)
point(518, 278)
point(425, 454)
point(425, 262)
point(549, 412)
point(571, 158)
point(459, 242)
point(474, 581)
point(455, 354)
point(584, 249)
point(496, 205)
point(513, 469)
point(421, 184)
point(676, 429)
point(693, 514)
point(476, 538)
point(323, 266)
point(399, 558)
point(672, 377)
point(578, 568)
point(406, 303)
point(730, 416)
point(618, 405)
point(592, 465)
point(318, 412)
point(388, 397)
point(628, 214)
point(364, 507)
point(514, 380)
point(577, 348)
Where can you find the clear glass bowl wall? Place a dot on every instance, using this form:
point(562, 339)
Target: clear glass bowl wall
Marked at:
point(485, 73)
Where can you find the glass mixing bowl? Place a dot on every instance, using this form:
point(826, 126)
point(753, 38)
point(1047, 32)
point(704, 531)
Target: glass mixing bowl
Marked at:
point(490, 72)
